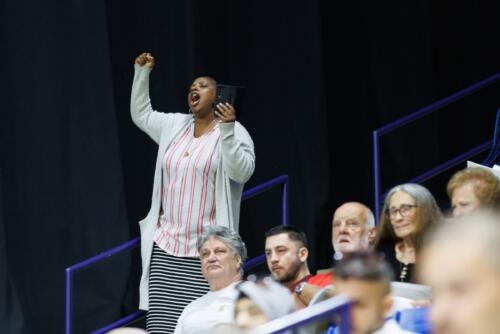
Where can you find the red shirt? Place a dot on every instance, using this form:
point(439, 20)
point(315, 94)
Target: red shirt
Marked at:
point(303, 279)
point(321, 280)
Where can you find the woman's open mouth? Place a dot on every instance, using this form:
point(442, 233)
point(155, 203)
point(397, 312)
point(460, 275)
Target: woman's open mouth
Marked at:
point(194, 99)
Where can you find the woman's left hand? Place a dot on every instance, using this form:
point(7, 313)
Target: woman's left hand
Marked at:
point(225, 112)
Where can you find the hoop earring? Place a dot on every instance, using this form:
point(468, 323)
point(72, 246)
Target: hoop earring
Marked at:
point(190, 111)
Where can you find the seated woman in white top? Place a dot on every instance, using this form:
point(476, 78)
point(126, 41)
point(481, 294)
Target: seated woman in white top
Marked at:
point(222, 253)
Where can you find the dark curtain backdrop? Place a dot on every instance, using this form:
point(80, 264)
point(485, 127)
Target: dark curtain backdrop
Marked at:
point(76, 175)
point(62, 182)
point(11, 317)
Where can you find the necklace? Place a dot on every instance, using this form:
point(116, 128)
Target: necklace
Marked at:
point(207, 129)
point(403, 272)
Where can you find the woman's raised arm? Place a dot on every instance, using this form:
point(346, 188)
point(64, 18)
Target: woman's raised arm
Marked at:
point(142, 113)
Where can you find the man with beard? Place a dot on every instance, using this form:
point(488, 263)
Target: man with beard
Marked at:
point(286, 255)
point(353, 229)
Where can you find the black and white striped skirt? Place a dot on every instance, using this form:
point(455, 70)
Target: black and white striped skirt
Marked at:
point(173, 283)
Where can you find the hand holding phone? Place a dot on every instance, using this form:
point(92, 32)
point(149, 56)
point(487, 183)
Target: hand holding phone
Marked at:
point(225, 112)
point(225, 100)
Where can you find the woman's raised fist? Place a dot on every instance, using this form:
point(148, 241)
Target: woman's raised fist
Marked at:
point(145, 59)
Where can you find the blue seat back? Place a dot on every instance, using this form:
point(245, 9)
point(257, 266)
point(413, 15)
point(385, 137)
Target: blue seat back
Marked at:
point(415, 320)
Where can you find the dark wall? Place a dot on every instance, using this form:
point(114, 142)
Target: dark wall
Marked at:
point(11, 317)
point(62, 182)
point(319, 76)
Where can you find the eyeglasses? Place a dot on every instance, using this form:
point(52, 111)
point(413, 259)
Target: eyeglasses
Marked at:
point(403, 210)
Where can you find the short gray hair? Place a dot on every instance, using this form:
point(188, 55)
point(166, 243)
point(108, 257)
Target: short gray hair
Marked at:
point(368, 213)
point(369, 217)
point(227, 236)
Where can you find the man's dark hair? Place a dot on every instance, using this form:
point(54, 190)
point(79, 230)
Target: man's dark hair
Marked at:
point(364, 266)
point(293, 233)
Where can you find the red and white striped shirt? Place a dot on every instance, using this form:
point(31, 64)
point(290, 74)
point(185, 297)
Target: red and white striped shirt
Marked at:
point(188, 191)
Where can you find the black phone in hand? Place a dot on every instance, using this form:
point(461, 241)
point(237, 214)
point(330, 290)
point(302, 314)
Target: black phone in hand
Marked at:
point(228, 94)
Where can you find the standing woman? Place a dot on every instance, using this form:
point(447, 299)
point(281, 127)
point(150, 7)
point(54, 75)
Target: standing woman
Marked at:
point(409, 211)
point(204, 159)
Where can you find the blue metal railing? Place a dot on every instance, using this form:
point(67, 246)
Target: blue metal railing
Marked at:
point(337, 305)
point(495, 148)
point(415, 116)
point(70, 271)
point(122, 322)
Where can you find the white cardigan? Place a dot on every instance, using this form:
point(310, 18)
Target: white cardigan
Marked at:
point(236, 165)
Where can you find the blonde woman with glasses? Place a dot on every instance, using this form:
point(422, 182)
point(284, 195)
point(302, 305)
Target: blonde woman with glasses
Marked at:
point(409, 211)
